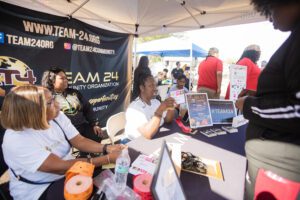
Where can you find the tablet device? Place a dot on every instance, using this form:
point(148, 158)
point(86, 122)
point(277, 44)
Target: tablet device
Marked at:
point(166, 184)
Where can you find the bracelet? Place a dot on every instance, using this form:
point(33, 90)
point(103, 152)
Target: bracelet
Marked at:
point(105, 149)
point(108, 160)
point(157, 114)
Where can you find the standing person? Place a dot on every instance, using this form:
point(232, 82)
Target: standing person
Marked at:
point(145, 115)
point(210, 74)
point(263, 64)
point(249, 59)
point(273, 139)
point(37, 144)
point(176, 72)
point(72, 103)
point(188, 75)
point(142, 68)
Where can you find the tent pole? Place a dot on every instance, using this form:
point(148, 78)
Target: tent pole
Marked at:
point(191, 58)
point(80, 6)
point(134, 54)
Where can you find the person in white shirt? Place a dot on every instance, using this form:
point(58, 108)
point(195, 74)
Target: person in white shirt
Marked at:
point(36, 144)
point(181, 80)
point(145, 115)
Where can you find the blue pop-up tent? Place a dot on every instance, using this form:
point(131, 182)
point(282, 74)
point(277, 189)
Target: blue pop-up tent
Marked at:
point(171, 47)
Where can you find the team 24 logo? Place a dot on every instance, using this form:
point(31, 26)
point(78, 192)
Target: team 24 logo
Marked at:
point(15, 72)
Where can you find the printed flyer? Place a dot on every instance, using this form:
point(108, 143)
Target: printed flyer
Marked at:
point(222, 111)
point(238, 77)
point(199, 111)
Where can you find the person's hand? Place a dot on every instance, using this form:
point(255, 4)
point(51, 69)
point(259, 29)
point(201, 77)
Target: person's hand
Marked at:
point(97, 130)
point(243, 93)
point(239, 104)
point(218, 91)
point(117, 148)
point(246, 92)
point(113, 156)
point(168, 103)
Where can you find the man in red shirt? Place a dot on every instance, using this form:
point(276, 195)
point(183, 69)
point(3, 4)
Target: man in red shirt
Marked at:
point(210, 74)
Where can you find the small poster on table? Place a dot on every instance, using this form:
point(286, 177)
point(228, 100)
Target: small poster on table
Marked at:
point(222, 111)
point(238, 77)
point(178, 96)
point(199, 111)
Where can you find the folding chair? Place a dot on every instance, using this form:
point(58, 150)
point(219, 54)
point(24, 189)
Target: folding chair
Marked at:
point(162, 91)
point(114, 125)
point(271, 186)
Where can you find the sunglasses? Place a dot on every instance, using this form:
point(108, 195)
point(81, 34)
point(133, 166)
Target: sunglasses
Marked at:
point(51, 101)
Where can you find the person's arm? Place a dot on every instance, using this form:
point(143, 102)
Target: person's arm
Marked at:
point(246, 92)
point(219, 72)
point(56, 165)
point(77, 140)
point(280, 113)
point(87, 145)
point(89, 114)
point(219, 81)
point(149, 129)
point(172, 74)
point(170, 115)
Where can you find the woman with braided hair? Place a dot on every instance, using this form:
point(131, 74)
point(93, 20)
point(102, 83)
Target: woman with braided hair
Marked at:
point(145, 114)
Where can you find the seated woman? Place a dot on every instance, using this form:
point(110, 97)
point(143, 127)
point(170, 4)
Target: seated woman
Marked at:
point(72, 103)
point(37, 143)
point(145, 115)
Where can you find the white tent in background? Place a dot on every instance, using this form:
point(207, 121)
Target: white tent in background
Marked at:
point(149, 17)
point(170, 47)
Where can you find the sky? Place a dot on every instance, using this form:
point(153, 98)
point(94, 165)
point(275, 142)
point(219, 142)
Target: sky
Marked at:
point(232, 40)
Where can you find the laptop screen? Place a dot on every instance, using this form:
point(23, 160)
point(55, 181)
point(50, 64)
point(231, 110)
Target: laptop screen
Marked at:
point(165, 183)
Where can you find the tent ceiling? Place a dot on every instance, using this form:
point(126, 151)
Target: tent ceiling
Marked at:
point(149, 17)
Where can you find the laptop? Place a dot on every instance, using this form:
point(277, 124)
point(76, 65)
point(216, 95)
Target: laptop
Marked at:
point(166, 184)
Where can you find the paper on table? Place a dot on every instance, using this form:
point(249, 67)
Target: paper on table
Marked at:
point(108, 166)
point(143, 164)
point(239, 121)
point(176, 157)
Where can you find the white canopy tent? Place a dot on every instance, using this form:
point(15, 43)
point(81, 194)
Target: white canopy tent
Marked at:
point(149, 17)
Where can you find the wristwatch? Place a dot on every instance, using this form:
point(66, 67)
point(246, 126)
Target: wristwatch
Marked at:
point(105, 149)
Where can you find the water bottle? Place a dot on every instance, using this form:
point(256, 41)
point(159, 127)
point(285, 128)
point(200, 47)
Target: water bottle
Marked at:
point(121, 170)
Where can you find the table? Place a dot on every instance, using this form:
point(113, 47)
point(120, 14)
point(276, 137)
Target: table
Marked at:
point(228, 149)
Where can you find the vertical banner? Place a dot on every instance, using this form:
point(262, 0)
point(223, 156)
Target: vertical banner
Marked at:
point(238, 78)
point(95, 60)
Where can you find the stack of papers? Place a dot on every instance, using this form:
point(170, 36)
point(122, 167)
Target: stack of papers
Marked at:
point(213, 132)
point(230, 129)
